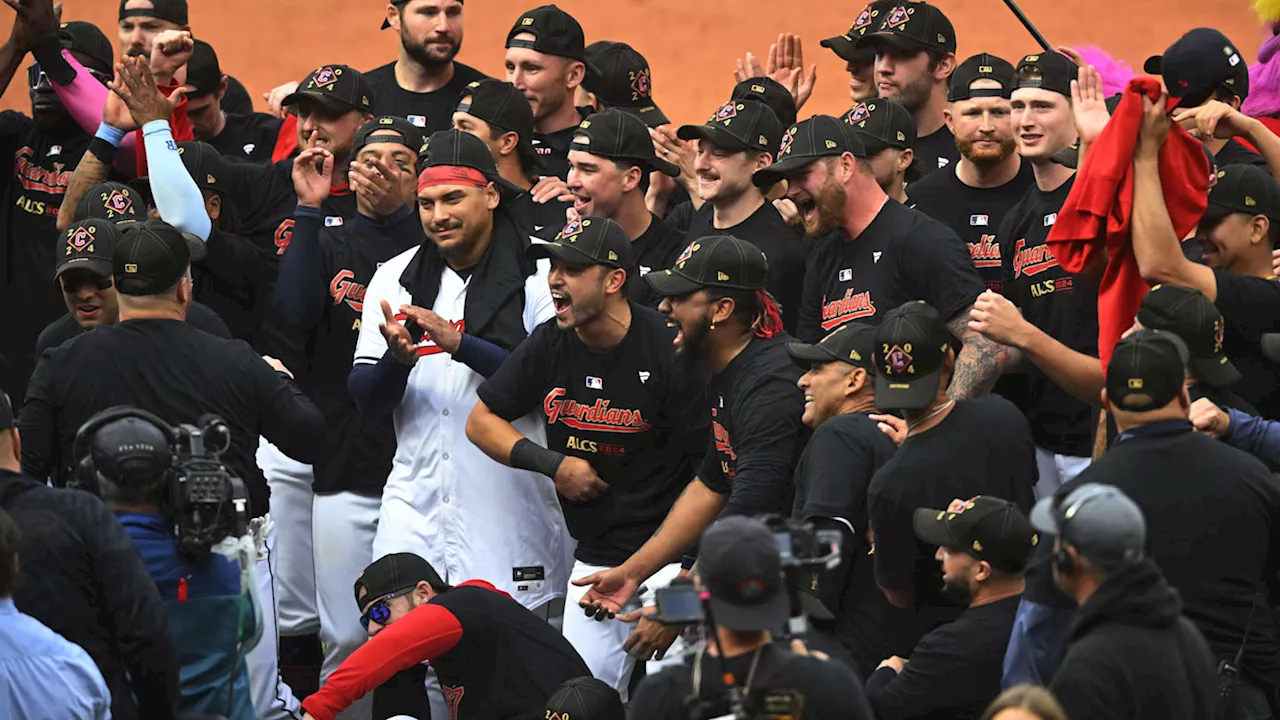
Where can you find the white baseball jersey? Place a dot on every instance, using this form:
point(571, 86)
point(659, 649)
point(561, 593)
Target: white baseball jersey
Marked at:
point(445, 500)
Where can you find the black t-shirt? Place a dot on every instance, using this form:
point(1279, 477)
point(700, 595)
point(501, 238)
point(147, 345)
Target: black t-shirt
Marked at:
point(756, 433)
point(972, 213)
point(1251, 307)
point(1217, 542)
point(903, 255)
point(432, 111)
point(357, 450)
point(780, 243)
point(656, 249)
point(236, 100)
point(955, 670)
point(553, 148)
point(831, 480)
point(1235, 153)
point(982, 447)
point(543, 220)
point(936, 151)
point(234, 279)
point(249, 138)
point(66, 327)
point(633, 412)
point(508, 661)
point(804, 688)
point(176, 371)
point(1063, 305)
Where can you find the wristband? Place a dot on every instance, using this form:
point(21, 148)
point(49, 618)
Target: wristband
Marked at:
point(103, 150)
point(529, 455)
point(111, 134)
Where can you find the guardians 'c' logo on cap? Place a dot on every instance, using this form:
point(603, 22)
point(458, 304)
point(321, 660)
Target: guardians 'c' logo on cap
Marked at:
point(1219, 331)
point(787, 138)
point(117, 202)
point(859, 113)
point(864, 19)
point(325, 76)
point(897, 360)
point(726, 111)
point(573, 227)
point(81, 238)
point(640, 84)
point(898, 17)
point(751, 588)
point(687, 253)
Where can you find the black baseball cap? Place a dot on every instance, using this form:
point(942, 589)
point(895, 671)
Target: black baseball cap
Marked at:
point(983, 66)
point(112, 201)
point(810, 139)
point(1244, 189)
point(585, 698)
point(845, 46)
point(555, 32)
point(1101, 522)
point(910, 346)
point(852, 343)
point(713, 261)
point(1198, 64)
point(882, 123)
point(617, 135)
point(1147, 370)
point(393, 573)
point(150, 257)
point(88, 245)
point(738, 125)
point(389, 128)
point(914, 26)
point(1056, 71)
point(771, 93)
point(204, 75)
point(174, 11)
point(337, 87)
point(455, 148)
point(588, 241)
point(205, 166)
point(1187, 313)
point(504, 107)
point(85, 38)
point(987, 528)
point(131, 452)
point(620, 77)
point(740, 566)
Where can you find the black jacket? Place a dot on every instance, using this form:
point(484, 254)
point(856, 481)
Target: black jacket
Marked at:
point(81, 576)
point(1132, 656)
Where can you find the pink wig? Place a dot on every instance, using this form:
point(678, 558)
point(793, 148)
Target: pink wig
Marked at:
point(1116, 74)
point(1264, 82)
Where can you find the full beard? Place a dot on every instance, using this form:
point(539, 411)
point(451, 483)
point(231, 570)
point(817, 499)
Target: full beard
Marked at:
point(695, 344)
point(958, 590)
point(985, 157)
point(426, 55)
point(829, 204)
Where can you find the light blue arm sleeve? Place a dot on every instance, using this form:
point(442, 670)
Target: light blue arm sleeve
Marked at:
point(177, 197)
point(1257, 436)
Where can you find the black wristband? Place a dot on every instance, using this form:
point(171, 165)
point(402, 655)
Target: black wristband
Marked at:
point(529, 455)
point(103, 150)
point(48, 53)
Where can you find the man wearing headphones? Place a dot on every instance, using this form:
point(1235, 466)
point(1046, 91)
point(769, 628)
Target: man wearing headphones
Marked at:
point(130, 455)
point(1131, 654)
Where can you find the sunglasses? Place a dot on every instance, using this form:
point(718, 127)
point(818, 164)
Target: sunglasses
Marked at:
point(35, 75)
point(379, 612)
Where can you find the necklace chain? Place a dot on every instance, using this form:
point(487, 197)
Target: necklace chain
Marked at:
point(930, 416)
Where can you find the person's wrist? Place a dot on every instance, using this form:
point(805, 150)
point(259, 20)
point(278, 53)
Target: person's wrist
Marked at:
point(1250, 126)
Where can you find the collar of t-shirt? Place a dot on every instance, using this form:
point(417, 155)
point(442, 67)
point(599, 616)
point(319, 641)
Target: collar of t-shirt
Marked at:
point(1160, 427)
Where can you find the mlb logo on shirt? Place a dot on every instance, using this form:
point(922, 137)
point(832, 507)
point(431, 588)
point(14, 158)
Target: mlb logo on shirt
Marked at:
point(417, 120)
point(979, 220)
point(1050, 219)
point(54, 150)
point(595, 383)
point(332, 221)
point(846, 275)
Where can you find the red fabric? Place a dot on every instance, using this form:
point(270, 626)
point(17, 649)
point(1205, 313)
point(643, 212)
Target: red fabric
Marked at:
point(286, 139)
point(1097, 214)
point(428, 631)
point(1272, 124)
point(451, 175)
point(179, 126)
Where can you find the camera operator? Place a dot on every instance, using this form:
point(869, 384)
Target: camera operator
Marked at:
point(157, 362)
point(740, 576)
point(132, 457)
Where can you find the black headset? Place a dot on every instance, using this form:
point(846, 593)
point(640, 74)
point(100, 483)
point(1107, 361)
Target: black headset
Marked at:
point(86, 475)
point(1061, 558)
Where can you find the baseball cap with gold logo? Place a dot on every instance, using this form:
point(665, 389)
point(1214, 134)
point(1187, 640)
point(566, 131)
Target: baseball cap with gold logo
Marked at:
point(987, 528)
point(852, 343)
point(1147, 370)
point(845, 46)
point(912, 26)
point(713, 261)
point(337, 87)
point(738, 125)
point(88, 244)
point(1244, 189)
point(588, 241)
point(911, 343)
point(882, 124)
point(1187, 313)
point(809, 140)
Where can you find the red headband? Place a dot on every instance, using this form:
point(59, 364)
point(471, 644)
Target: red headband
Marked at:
point(451, 175)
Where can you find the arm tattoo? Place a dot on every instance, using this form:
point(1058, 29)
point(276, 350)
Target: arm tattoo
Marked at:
point(89, 172)
point(980, 361)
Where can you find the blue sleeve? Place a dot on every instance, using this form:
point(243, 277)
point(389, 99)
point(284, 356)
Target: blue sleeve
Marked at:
point(299, 293)
point(377, 389)
point(480, 355)
point(1036, 645)
point(179, 201)
point(1257, 436)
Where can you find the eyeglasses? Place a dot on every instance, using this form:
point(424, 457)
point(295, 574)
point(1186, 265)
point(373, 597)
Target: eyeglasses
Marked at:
point(379, 612)
point(35, 75)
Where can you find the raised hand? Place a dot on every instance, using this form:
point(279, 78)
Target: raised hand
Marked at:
point(437, 329)
point(786, 65)
point(170, 50)
point(35, 21)
point(136, 87)
point(313, 176)
point(275, 98)
point(1089, 105)
point(379, 185)
point(610, 591)
point(400, 343)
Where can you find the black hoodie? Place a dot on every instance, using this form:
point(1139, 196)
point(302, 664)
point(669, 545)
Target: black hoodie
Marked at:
point(1132, 656)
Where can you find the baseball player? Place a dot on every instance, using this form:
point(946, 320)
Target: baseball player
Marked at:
point(321, 287)
point(622, 420)
point(889, 135)
point(860, 61)
point(251, 136)
point(546, 60)
point(915, 48)
point(436, 321)
point(619, 77)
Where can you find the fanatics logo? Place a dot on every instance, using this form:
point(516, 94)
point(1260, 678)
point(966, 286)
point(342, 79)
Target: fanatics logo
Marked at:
point(249, 148)
point(644, 376)
point(595, 383)
point(846, 275)
point(943, 162)
point(979, 220)
point(875, 256)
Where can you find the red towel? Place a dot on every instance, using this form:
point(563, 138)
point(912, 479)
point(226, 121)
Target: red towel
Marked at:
point(1098, 211)
point(179, 126)
point(286, 139)
point(1272, 124)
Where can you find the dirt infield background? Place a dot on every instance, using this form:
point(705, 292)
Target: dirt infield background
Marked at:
point(690, 44)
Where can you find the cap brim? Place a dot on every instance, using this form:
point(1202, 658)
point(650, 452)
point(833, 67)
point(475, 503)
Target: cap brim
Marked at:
point(806, 354)
point(1042, 516)
point(1217, 372)
point(327, 100)
point(385, 25)
point(1151, 65)
point(1271, 347)
point(563, 253)
point(196, 247)
point(771, 615)
point(719, 137)
point(931, 529)
point(1213, 211)
point(848, 50)
point(1067, 157)
point(893, 394)
point(96, 265)
point(868, 41)
point(771, 175)
point(668, 283)
point(669, 169)
point(650, 114)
